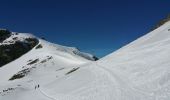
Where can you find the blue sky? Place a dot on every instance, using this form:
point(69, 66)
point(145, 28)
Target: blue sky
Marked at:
point(95, 26)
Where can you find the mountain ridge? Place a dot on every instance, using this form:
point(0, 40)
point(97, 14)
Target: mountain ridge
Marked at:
point(138, 71)
point(13, 45)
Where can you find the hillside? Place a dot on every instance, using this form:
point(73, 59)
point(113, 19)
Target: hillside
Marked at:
point(29, 56)
point(138, 71)
point(13, 45)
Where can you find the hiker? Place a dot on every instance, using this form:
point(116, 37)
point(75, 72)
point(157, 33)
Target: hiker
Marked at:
point(38, 85)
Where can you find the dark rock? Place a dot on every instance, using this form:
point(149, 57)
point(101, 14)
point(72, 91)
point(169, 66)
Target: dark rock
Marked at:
point(4, 34)
point(161, 22)
point(39, 46)
point(15, 50)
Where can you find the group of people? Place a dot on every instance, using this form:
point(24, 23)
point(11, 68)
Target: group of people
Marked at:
point(37, 86)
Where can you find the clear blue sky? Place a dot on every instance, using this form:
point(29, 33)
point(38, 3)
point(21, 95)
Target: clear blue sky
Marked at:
point(96, 26)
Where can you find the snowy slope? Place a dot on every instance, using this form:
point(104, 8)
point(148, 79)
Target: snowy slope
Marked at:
point(145, 63)
point(45, 63)
point(138, 71)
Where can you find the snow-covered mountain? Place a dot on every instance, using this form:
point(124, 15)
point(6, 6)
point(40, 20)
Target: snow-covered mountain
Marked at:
point(13, 45)
point(23, 56)
point(138, 71)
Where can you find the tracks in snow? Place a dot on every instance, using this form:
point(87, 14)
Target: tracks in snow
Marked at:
point(124, 87)
point(43, 93)
point(118, 82)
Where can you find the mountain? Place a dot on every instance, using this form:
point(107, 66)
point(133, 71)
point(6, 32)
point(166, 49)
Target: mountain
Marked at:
point(14, 45)
point(142, 68)
point(137, 71)
point(23, 55)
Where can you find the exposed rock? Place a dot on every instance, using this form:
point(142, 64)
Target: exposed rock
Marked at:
point(4, 33)
point(14, 49)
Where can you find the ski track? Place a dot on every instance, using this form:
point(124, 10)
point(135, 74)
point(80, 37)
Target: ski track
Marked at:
point(123, 84)
point(122, 75)
point(43, 93)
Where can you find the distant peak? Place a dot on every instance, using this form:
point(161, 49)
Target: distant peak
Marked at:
point(162, 22)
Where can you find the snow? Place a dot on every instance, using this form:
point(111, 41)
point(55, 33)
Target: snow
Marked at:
point(17, 37)
point(138, 71)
